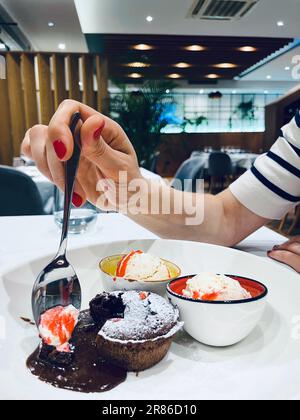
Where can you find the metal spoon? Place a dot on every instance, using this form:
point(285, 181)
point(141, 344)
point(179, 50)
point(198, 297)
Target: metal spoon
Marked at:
point(58, 283)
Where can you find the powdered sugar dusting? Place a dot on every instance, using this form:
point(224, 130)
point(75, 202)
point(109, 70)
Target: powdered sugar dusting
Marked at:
point(148, 317)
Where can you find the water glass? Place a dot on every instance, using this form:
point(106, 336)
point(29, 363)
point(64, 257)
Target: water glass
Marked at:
point(81, 219)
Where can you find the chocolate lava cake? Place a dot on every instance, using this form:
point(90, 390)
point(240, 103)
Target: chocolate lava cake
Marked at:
point(122, 331)
point(140, 332)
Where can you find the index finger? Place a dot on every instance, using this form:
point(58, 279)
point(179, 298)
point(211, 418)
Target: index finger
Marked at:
point(59, 127)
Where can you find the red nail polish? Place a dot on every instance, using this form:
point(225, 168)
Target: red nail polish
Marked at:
point(98, 132)
point(60, 149)
point(76, 200)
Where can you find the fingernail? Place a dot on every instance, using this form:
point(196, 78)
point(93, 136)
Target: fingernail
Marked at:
point(76, 200)
point(98, 132)
point(60, 149)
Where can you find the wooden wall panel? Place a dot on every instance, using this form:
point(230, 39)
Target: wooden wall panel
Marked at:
point(29, 86)
point(16, 101)
point(73, 77)
point(59, 79)
point(102, 85)
point(46, 98)
point(88, 80)
point(35, 86)
point(6, 149)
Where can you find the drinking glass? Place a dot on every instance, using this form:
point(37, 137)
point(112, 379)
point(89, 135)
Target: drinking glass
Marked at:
point(81, 219)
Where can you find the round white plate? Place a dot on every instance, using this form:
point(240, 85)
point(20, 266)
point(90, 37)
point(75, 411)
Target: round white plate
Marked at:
point(264, 366)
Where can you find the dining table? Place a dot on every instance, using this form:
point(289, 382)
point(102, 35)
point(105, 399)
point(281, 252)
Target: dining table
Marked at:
point(27, 240)
point(239, 160)
point(47, 189)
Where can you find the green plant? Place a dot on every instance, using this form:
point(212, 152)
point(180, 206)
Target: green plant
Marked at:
point(246, 111)
point(140, 113)
point(195, 122)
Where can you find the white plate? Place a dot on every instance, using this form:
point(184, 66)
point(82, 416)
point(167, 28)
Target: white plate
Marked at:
point(265, 365)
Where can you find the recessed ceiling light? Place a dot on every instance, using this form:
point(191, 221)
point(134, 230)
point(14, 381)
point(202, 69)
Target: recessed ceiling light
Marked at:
point(143, 47)
point(2, 46)
point(149, 19)
point(135, 75)
point(212, 76)
point(287, 68)
point(269, 77)
point(62, 46)
point(194, 48)
point(266, 92)
point(233, 92)
point(167, 91)
point(226, 66)
point(247, 48)
point(137, 64)
point(201, 91)
point(280, 23)
point(174, 76)
point(182, 65)
point(51, 24)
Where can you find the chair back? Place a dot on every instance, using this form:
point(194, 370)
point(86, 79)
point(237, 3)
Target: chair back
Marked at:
point(190, 170)
point(219, 164)
point(19, 195)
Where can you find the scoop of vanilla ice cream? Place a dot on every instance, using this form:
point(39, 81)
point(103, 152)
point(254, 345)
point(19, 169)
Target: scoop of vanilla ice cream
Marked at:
point(146, 267)
point(225, 288)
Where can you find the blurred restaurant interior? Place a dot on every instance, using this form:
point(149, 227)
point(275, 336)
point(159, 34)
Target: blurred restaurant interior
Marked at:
point(201, 87)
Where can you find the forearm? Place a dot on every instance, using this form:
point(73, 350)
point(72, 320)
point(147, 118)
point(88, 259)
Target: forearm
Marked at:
point(217, 219)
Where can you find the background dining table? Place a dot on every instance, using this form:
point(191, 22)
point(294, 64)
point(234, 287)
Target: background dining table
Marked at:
point(46, 188)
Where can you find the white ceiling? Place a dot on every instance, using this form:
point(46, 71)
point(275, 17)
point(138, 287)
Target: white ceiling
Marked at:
point(128, 16)
point(33, 17)
point(276, 68)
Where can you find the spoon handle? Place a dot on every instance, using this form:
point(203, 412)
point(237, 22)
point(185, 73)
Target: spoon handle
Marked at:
point(71, 167)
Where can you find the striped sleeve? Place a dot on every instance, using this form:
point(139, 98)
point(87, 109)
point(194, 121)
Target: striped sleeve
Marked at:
point(271, 187)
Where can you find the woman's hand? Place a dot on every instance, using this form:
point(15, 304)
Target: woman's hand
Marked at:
point(106, 151)
point(288, 253)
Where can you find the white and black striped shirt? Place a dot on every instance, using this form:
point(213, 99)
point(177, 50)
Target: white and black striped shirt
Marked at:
point(271, 187)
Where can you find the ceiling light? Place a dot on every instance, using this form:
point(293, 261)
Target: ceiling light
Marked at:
point(168, 91)
point(149, 19)
point(183, 65)
point(194, 48)
point(143, 47)
point(135, 75)
point(137, 64)
point(247, 48)
point(51, 24)
point(287, 68)
point(266, 92)
point(226, 66)
point(174, 76)
point(201, 91)
point(280, 23)
point(269, 77)
point(212, 76)
point(62, 46)
point(2, 46)
point(233, 92)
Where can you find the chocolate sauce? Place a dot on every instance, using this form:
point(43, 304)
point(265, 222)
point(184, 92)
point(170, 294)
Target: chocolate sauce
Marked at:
point(86, 371)
point(27, 320)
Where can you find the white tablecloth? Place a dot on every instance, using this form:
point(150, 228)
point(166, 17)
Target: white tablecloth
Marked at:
point(46, 188)
point(30, 237)
point(238, 160)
